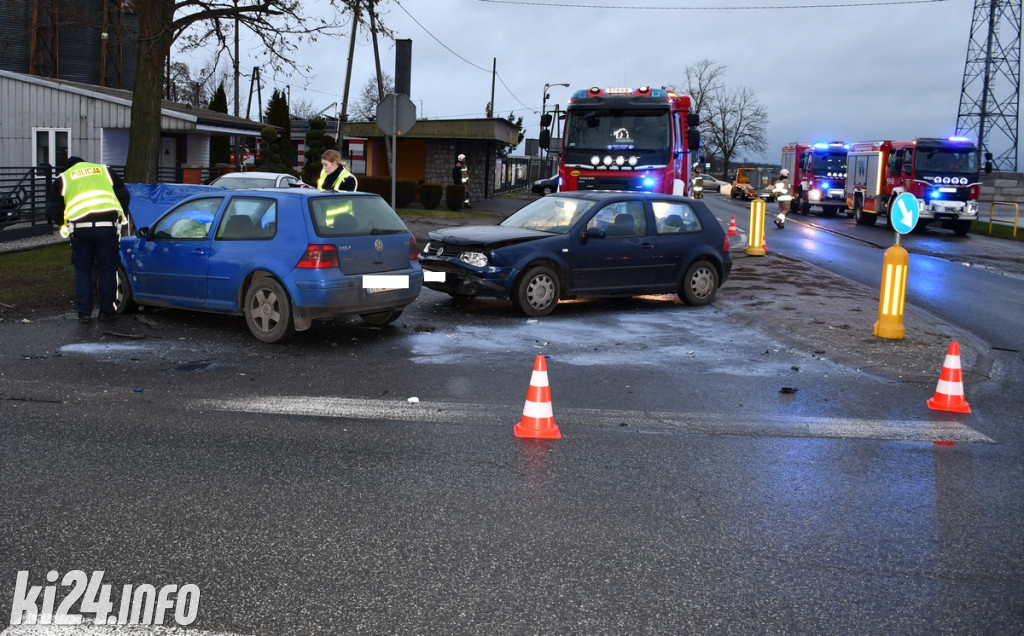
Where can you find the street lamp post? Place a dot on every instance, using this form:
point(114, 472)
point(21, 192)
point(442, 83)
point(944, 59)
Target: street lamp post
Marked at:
point(543, 111)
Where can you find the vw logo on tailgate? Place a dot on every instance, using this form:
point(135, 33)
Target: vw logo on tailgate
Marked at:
point(378, 245)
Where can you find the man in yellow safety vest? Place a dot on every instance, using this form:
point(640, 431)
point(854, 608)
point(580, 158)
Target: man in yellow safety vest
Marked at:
point(90, 201)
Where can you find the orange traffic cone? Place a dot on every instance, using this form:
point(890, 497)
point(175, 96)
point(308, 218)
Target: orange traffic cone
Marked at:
point(538, 419)
point(732, 227)
point(949, 394)
point(764, 244)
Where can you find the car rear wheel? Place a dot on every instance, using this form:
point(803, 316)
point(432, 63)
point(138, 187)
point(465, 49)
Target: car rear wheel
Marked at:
point(536, 293)
point(699, 284)
point(381, 318)
point(268, 311)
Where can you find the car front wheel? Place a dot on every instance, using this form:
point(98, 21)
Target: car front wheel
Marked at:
point(124, 301)
point(536, 293)
point(699, 284)
point(268, 312)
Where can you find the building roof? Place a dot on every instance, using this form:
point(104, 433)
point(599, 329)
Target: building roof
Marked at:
point(495, 129)
point(204, 119)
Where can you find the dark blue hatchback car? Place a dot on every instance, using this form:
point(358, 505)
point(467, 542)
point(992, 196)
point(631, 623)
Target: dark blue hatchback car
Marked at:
point(575, 244)
point(280, 257)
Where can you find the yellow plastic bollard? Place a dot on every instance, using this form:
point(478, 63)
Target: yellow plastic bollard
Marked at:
point(893, 293)
point(755, 242)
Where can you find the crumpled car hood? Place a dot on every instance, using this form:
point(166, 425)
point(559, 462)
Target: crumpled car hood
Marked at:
point(486, 235)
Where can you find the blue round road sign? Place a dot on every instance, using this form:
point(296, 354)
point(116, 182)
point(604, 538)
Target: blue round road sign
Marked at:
point(904, 213)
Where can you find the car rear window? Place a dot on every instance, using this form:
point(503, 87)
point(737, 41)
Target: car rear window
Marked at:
point(673, 217)
point(248, 218)
point(346, 215)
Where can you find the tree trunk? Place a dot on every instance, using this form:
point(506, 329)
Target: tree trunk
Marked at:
point(155, 39)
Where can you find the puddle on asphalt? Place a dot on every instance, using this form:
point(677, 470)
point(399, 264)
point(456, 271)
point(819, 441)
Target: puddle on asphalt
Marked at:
point(709, 342)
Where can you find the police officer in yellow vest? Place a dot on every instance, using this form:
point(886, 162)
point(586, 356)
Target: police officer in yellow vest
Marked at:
point(90, 201)
point(335, 175)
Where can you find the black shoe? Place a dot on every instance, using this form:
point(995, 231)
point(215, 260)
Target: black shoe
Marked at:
point(779, 224)
point(84, 318)
point(468, 206)
point(105, 317)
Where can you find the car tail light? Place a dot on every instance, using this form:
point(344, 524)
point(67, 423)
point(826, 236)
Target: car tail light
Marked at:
point(319, 257)
point(725, 244)
point(414, 253)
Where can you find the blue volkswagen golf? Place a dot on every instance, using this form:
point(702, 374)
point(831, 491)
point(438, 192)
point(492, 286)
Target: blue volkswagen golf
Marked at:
point(592, 243)
point(281, 258)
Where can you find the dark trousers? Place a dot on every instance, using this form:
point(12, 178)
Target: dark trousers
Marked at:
point(95, 249)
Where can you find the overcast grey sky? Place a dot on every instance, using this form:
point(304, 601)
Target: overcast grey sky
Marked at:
point(854, 70)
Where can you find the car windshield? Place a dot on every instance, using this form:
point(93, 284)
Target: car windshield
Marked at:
point(346, 215)
point(552, 214)
point(244, 183)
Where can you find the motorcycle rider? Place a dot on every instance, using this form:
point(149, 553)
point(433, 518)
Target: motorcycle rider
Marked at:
point(785, 197)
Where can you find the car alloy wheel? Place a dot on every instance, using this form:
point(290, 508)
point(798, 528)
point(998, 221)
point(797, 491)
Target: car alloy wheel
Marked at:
point(537, 291)
point(268, 311)
point(699, 284)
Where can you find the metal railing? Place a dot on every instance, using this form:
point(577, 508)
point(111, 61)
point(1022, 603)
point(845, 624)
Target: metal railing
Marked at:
point(1016, 216)
point(23, 193)
point(515, 173)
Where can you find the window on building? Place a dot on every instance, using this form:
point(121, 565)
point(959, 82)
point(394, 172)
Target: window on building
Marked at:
point(51, 147)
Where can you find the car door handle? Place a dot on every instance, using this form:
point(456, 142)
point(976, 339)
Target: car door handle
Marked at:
point(198, 252)
point(647, 246)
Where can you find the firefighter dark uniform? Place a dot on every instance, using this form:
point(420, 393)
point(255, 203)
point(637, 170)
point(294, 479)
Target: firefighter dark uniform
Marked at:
point(460, 176)
point(785, 198)
point(90, 201)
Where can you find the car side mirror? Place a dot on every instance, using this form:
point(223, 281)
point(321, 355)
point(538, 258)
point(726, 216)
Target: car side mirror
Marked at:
point(594, 232)
point(142, 233)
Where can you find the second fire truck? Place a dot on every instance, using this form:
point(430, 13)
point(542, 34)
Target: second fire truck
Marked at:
point(942, 173)
point(624, 139)
point(818, 174)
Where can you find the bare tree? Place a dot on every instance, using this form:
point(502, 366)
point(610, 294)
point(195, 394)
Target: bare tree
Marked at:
point(365, 108)
point(281, 25)
point(731, 120)
point(703, 80)
point(737, 122)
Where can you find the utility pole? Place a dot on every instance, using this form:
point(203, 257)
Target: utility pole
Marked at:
point(990, 94)
point(348, 74)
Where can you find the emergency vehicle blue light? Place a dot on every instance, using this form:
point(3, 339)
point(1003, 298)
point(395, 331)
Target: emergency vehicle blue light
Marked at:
point(961, 139)
point(649, 182)
point(821, 145)
point(825, 185)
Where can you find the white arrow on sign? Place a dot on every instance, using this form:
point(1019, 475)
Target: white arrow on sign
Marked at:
point(908, 215)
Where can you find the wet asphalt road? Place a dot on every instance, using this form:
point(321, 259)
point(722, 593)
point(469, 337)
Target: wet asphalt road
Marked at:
point(304, 492)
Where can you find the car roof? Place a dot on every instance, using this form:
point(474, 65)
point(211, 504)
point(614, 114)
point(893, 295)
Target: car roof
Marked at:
point(601, 196)
point(252, 173)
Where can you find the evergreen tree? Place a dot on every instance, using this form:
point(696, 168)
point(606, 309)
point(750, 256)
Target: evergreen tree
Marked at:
point(281, 157)
point(316, 144)
point(220, 145)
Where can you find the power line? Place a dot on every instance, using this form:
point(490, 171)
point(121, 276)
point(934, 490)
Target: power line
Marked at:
point(563, 5)
point(449, 49)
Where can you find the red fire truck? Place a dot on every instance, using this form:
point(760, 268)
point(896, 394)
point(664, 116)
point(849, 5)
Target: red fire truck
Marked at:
point(818, 174)
point(942, 173)
point(624, 139)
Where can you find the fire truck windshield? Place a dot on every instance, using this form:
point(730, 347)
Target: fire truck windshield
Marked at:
point(830, 164)
point(947, 161)
point(643, 132)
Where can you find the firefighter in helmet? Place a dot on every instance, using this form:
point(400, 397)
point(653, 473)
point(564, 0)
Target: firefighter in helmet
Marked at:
point(784, 195)
point(698, 182)
point(460, 176)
